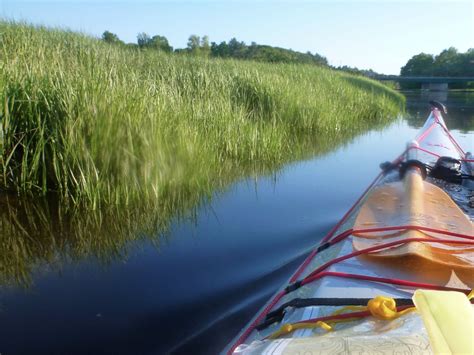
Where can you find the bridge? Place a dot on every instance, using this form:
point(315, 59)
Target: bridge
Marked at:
point(427, 82)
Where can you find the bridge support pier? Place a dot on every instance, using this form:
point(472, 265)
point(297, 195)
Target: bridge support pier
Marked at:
point(434, 86)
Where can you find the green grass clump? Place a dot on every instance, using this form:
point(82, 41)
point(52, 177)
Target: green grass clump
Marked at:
point(123, 131)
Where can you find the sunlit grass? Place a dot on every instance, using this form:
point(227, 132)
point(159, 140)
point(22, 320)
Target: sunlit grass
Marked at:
point(125, 132)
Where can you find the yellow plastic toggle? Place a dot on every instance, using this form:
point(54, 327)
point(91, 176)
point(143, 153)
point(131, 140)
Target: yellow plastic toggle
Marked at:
point(449, 319)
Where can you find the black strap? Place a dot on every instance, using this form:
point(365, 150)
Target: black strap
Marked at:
point(294, 286)
point(388, 166)
point(278, 314)
point(439, 106)
point(413, 163)
point(323, 247)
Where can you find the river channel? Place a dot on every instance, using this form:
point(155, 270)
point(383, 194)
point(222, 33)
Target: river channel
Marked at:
point(194, 292)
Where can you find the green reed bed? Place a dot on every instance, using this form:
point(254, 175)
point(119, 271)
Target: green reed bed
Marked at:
point(102, 124)
point(108, 128)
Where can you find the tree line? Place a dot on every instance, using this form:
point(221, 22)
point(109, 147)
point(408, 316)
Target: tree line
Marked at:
point(449, 62)
point(201, 46)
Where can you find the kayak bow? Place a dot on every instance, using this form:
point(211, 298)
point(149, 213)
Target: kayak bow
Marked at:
point(405, 236)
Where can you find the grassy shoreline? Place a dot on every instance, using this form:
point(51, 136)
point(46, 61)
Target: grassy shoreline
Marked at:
point(103, 124)
point(120, 141)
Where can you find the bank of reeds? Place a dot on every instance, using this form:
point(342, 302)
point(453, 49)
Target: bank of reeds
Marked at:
point(104, 124)
point(106, 127)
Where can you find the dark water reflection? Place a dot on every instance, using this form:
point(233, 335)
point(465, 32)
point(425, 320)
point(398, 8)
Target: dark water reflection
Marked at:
point(460, 104)
point(214, 269)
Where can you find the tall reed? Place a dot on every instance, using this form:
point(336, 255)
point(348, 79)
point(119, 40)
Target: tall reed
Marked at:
point(103, 124)
point(123, 131)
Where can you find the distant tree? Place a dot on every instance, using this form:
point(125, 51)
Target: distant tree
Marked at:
point(320, 60)
point(263, 53)
point(467, 62)
point(220, 50)
point(156, 42)
point(205, 47)
point(420, 64)
point(214, 49)
point(160, 43)
point(447, 63)
point(110, 37)
point(143, 39)
point(200, 46)
point(205, 42)
point(237, 49)
point(194, 43)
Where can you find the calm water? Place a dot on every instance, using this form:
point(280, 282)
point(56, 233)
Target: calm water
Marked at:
point(194, 293)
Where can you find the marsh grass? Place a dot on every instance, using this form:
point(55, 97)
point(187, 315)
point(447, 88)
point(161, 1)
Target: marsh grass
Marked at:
point(115, 133)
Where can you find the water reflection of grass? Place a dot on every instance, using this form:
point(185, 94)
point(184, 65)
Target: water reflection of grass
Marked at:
point(36, 231)
point(126, 139)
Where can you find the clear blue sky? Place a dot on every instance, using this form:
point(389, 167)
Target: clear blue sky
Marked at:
point(381, 35)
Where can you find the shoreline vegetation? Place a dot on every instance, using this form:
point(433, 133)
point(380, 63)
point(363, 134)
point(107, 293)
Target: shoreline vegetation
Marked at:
point(448, 62)
point(103, 145)
point(202, 47)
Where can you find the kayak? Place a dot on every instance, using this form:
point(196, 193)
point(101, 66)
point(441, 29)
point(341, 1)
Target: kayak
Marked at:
point(395, 275)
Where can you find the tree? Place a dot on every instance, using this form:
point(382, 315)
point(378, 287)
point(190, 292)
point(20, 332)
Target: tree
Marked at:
point(447, 63)
point(194, 43)
point(419, 65)
point(220, 50)
point(467, 62)
point(199, 46)
point(143, 39)
point(205, 47)
point(257, 52)
point(160, 43)
point(110, 37)
point(237, 49)
point(156, 42)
